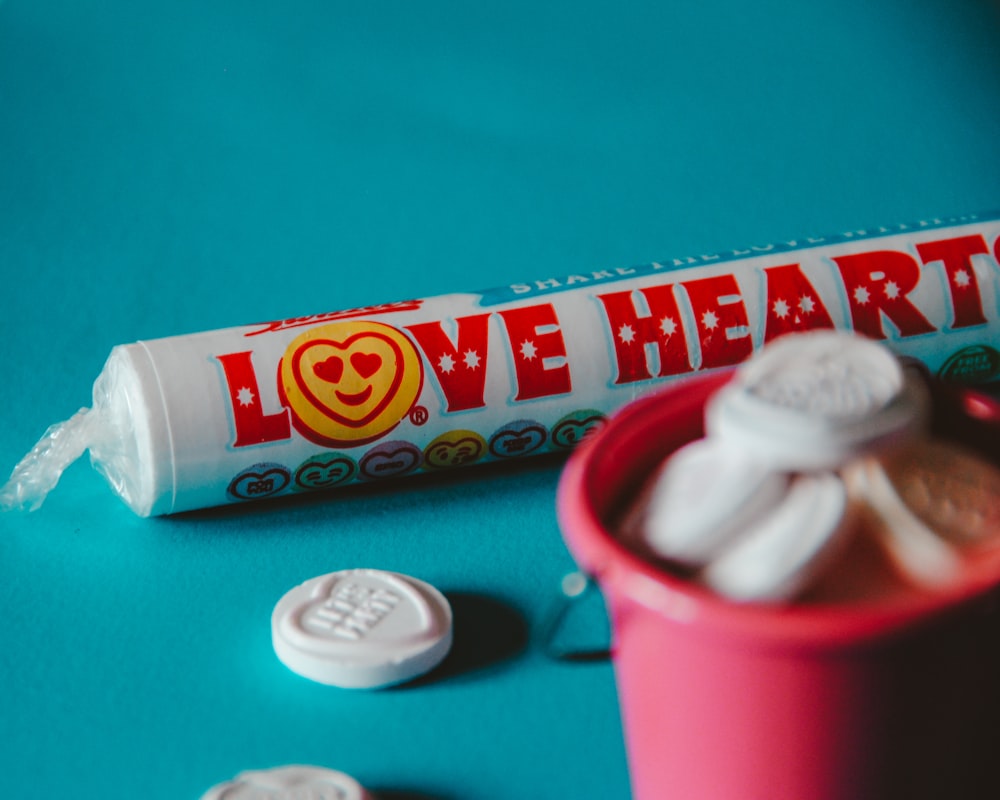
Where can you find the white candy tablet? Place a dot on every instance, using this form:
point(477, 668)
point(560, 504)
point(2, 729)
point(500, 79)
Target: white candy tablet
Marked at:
point(953, 490)
point(289, 783)
point(916, 550)
point(779, 554)
point(704, 495)
point(815, 400)
point(362, 628)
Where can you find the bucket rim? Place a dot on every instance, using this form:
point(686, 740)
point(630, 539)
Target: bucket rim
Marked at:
point(622, 573)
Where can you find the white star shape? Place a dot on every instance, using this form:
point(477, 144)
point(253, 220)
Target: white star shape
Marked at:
point(446, 363)
point(891, 290)
point(668, 326)
point(471, 359)
point(962, 278)
point(626, 334)
point(780, 309)
point(245, 396)
point(861, 295)
point(528, 350)
point(710, 319)
point(806, 304)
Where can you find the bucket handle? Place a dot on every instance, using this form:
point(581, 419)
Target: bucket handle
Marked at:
point(573, 587)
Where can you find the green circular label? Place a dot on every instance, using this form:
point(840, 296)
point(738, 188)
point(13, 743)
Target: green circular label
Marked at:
point(977, 363)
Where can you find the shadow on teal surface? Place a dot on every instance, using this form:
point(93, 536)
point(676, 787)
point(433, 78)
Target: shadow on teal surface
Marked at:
point(389, 794)
point(487, 633)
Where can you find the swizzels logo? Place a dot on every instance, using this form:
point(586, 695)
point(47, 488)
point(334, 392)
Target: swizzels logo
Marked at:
point(348, 383)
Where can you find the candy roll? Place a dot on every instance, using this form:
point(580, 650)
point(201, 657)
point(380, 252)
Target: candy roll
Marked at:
point(361, 395)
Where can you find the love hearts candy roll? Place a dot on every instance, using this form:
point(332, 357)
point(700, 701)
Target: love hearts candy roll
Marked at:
point(366, 394)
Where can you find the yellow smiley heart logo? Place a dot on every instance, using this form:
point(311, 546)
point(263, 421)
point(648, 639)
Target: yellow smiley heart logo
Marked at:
point(349, 382)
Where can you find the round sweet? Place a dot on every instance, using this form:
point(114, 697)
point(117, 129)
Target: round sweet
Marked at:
point(917, 552)
point(815, 400)
point(834, 375)
point(780, 553)
point(954, 491)
point(362, 628)
point(704, 495)
point(289, 783)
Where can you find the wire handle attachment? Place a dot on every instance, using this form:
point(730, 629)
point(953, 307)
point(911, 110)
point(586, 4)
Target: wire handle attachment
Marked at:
point(574, 587)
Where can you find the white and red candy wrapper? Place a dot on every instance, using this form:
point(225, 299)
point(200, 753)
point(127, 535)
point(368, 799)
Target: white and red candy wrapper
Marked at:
point(367, 394)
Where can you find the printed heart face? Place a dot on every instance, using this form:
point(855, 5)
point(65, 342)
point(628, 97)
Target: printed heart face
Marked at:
point(390, 459)
point(322, 472)
point(260, 480)
point(350, 382)
point(331, 369)
point(517, 439)
point(454, 448)
point(573, 428)
point(351, 392)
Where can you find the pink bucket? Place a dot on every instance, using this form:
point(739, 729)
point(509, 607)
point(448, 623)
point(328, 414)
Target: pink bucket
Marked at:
point(719, 701)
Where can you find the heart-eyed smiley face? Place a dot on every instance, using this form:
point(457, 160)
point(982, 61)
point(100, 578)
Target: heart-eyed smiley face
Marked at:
point(349, 382)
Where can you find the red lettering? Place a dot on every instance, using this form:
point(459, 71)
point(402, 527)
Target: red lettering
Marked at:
point(253, 426)
point(721, 317)
point(956, 255)
point(633, 331)
point(460, 367)
point(878, 283)
point(793, 304)
point(535, 338)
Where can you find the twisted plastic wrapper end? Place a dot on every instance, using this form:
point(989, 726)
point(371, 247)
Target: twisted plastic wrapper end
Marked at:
point(114, 452)
point(39, 471)
point(107, 430)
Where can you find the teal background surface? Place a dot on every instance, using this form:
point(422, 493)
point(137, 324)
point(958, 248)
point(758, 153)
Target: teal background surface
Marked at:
point(173, 167)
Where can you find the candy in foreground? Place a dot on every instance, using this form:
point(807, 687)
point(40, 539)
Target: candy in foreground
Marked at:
point(808, 431)
point(309, 403)
point(362, 628)
point(289, 783)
